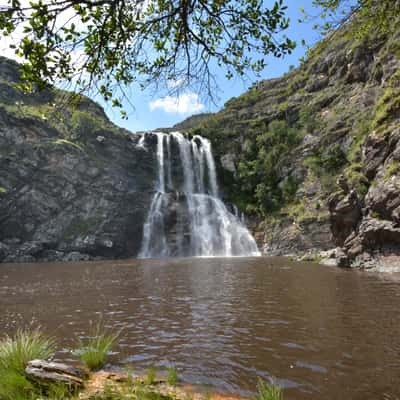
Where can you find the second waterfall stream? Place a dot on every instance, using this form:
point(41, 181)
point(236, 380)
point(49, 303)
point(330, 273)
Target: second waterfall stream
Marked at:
point(187, 216)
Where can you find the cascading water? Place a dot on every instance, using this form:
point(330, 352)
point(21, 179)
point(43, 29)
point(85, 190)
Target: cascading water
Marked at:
point(186, 216)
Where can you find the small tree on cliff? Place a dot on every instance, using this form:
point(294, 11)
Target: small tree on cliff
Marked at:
point(107, 44)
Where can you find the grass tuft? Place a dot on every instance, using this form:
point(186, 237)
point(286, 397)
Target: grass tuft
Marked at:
point(94, 350)
point(17, 351)
point(15, 386)
point(68, 142)
point(151, 375)
point(268, 391)
point(172, 376)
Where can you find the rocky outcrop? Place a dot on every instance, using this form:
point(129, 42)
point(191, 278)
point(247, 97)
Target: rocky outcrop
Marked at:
point(384, 199)
point(65, 203)
point(65, 194)
point(370, 237)
point(291, 237)
point(375, 151)
point(345, 214)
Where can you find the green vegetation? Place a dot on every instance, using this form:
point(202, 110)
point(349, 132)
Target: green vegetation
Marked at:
point(60, 112)
point(83, 123)
point(129, 390)
point(328, 161)
point(268, 391)
point(172, 376)
point(69, 143)
point(17, 351)
point(3, 189)
point(261, 162)
point(94, 350)
point(372, 20)
point(151, 375)
point(392, 169)
point(14, 386)
point(358, 136)
point(356, 179)
point(300, 211)
point(388, 104)
point(291, 138)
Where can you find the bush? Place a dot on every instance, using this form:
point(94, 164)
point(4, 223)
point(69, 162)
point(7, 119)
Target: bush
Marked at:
point(261, 164)
point(94, 350)
point(328, 162)
point(84, 123)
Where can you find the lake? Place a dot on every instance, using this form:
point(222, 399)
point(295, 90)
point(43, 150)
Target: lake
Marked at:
point(322, 333)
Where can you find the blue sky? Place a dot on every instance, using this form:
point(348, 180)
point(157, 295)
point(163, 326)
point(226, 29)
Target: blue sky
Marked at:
point(152, 111)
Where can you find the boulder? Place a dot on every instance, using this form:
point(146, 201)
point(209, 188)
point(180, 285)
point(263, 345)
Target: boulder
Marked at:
point(345, 214)
point(45, 373)
point(374, 236)
point(375, 150)
point(333, 258)
point(76, 256)
point(376, 232)
point(4, 250)
point(383, 199)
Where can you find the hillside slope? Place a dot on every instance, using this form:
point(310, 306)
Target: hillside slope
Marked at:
point(314, 156)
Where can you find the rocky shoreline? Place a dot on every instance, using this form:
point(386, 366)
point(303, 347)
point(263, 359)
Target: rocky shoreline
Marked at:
point(114, 383)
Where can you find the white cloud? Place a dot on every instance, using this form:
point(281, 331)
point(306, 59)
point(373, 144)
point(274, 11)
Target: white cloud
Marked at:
point(185, 103)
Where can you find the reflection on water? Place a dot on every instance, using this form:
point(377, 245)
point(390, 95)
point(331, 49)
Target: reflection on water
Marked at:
point(321, 332)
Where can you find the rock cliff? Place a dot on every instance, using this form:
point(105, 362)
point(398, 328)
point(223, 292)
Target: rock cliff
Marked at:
point(314, 156)
point(72, 185)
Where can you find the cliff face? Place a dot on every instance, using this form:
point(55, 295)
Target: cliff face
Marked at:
point(72, 185)
point(314, 156)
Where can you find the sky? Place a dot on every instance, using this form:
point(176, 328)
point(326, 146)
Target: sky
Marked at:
point(148, 110)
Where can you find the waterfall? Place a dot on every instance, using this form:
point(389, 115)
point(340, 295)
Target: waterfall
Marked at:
point(187, 216)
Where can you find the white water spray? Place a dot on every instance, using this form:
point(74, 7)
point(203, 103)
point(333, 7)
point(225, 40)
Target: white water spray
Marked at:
point(191, 219)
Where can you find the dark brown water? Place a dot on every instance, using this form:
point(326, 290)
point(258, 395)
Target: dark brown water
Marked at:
point(323, 333)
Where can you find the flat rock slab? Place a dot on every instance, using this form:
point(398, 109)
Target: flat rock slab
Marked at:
point(44, 372)
point(100, 380)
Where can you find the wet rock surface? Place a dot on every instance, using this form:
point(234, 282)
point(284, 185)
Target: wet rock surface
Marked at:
point(45, 373)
